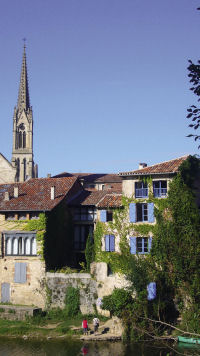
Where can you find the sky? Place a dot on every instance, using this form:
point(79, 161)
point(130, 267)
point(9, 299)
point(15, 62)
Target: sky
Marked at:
point(107, 79)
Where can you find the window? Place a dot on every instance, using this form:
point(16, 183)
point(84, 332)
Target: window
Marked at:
point(20, 244)
point(140, 245)
point(110, 243)
point(20, 272)
point(106, 215)
point(22, 216)
point(160, 188)
point(34, 216)
point(10, 216)
point(141, 212)
point(141, 190)
point(85, 214)
point(81, 233)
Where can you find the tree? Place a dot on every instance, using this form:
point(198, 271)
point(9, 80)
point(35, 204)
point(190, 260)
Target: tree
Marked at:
point(194, 111)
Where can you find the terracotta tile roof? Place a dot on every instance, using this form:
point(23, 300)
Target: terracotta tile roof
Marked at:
point(99, 198)
point(93, 177)
point(170, 167)
point(110, 200)
point(88, 197)
point(35, 194)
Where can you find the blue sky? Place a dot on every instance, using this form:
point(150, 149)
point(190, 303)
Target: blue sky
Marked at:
point(107, 78)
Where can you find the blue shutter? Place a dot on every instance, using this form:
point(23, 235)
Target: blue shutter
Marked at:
point(149, 243)
point(112, 243)
point(132, 212)
point(17, 272)
point(103, 216)
point(151, 217)
point(20, 272)
point(151, 290)
point(133, 241)
point(23, 273)
point(107, 243)
point(5, 292)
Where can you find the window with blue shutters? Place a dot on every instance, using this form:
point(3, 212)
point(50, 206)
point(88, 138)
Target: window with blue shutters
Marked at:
point(132, 212)
point(140, 245)
point(141, 190)
point(106, 215)
point(20, 272)
point(160, 188)
point(109, 243)
point(145, 212)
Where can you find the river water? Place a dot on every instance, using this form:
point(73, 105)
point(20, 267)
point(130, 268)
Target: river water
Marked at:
point(71, 347)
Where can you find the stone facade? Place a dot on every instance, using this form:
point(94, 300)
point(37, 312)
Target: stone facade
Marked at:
point(7, 171)
point(57, 284)
point(32, 290)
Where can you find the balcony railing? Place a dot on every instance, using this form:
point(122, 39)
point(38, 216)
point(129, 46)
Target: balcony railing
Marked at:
point(159, 192)
point(141, 193)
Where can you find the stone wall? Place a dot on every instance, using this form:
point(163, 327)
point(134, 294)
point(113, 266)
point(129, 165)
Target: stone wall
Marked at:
point(30, 292)
point(105, 283)
point(57, 284)
point(7, 172)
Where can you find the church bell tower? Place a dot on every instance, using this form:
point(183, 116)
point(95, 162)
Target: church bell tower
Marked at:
point(22, 153)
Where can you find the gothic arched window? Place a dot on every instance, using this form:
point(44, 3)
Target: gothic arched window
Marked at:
point(24, 139)
point(20, 139)
point(24, 161)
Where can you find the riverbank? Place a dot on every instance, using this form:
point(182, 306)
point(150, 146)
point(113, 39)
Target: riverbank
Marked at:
point(53, 325)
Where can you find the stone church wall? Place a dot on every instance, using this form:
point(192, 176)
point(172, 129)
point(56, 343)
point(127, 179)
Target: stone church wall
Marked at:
point(7, 172)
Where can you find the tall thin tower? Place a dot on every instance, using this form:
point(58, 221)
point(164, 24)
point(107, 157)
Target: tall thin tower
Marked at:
point(22, 153)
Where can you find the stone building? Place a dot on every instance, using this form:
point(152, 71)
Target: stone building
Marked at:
point(35, 235)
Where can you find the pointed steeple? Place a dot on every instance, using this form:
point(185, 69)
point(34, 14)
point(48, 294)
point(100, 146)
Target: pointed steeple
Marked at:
point(23, 96)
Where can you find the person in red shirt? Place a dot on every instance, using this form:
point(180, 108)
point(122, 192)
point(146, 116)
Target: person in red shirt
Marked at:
point(85, 326)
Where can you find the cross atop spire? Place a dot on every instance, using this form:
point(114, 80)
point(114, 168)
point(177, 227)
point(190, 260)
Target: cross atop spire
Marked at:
point(23, 96)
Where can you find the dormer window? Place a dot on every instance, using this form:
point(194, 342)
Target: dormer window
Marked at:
point(160, 188)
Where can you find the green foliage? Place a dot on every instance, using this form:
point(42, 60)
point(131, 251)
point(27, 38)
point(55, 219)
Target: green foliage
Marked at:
point(40, 226)
point(117, 301)
point(190, 319)
point(193, 111)
point(176, 243)
point(72, 301)
point(89, 252)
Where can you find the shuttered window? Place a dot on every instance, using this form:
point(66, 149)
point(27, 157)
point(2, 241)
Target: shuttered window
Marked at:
point(110, 243)
point(140, 245)
point(141, 212)
point(20, 272)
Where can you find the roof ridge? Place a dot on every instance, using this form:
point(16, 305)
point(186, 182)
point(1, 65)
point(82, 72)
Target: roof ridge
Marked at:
point(156, 164)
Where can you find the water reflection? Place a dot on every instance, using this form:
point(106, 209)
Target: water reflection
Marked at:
point(71, 347)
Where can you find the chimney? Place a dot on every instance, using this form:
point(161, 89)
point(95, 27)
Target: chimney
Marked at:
point(48, 175)
point(6, 197)
point(16, 192)
point(142, 165)
point(52, 193)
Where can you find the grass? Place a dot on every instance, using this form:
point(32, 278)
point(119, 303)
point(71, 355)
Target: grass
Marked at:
point(52, 323)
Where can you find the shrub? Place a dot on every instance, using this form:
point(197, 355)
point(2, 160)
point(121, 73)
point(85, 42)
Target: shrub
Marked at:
point(119, 300)
point(72, 301)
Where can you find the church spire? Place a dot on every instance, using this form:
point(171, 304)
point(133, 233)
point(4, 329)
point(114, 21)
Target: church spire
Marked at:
point(23, 96)
point(22, 154)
